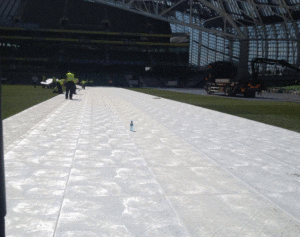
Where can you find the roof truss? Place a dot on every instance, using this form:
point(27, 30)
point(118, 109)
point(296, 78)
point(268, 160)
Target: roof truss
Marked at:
point(223, 17)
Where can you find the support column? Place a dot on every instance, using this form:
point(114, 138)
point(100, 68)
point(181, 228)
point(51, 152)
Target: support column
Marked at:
point(296, 26)
point(298, 54)
point(199, 48)
point(230, 48)
point(244, 55)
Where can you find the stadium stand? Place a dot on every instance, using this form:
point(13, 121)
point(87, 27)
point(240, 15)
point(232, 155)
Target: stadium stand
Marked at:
point(52, 37)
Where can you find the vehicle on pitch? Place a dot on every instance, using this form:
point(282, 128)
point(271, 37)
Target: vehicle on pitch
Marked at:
point(221, 77)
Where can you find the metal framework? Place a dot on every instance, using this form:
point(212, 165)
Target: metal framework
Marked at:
point(217, 27)
point(224, 17)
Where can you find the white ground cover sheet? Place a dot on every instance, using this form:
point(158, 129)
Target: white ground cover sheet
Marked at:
point(73, 168)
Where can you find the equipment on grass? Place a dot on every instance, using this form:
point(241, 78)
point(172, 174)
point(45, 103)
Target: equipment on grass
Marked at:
point(221, 78)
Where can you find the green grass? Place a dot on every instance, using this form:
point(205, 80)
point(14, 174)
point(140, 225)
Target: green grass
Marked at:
point(280, 114)
point(292, 88)
point(16, 98)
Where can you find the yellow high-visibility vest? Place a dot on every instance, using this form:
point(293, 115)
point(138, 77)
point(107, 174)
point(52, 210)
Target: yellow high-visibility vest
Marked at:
point(61, 81)
point(70, 76)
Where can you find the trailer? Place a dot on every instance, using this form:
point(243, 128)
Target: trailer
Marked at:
point(221, 78)
point(231, 87)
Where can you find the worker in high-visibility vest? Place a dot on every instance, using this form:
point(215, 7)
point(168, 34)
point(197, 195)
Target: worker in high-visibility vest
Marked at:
point(76, 80)
point(70, 85)
point(58, 88)
point(83, 84)
point(43, 80)
point(53, 84)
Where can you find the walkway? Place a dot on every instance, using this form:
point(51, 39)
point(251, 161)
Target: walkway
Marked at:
point(73, 168)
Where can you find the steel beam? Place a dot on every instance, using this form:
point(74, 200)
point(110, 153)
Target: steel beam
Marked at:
point(162, 16)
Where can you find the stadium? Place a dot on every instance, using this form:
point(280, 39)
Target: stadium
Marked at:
point(167, 37)
point(141, 147)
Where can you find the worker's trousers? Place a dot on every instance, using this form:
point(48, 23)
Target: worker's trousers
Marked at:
point(69, 89)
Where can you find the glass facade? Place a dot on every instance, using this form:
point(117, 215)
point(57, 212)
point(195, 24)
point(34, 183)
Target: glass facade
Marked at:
point(274, 41)
point(280, 42)
point(207, 47)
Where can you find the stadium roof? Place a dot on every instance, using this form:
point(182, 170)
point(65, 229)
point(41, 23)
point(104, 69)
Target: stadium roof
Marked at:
point(224, 17)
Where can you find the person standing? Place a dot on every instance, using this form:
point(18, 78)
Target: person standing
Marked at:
point(53, 84)
point(35, 81)
point(43, 80)
point(83, 84)
point(75, 83)
point(70, 85)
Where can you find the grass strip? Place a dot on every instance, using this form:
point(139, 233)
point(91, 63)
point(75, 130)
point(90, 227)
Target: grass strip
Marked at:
point(16, 98)
point(281, 114)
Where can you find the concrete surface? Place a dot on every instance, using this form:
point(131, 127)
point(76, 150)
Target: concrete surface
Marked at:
point(73, 168)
